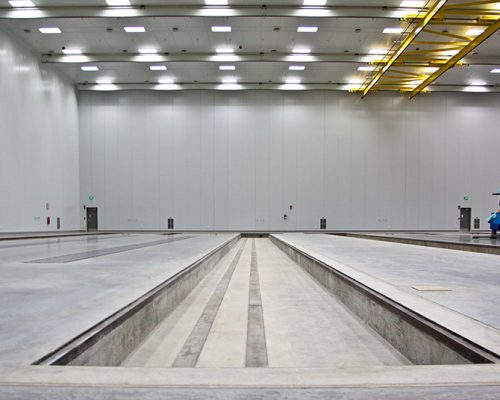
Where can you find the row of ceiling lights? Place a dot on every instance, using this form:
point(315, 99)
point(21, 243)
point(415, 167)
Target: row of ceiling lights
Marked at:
point(126, 3)
point(225, 50)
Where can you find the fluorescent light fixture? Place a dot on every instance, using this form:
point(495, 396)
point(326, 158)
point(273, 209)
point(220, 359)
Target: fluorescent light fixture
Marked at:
point(412, 4)
point(474, 32)
point(221, 29)
point(451, 53)
point(165, 81)
point(167, 86)
point(355, 81)
point(307, 29)
point(134, 29)
point(157, 67)
point(393, 30)
point(21, 3)
point(495, 71)
point(148, 50)
point(314, 2)
point(296, 68)
point(216, 2)
point(50, 30)
point(72, 51)
point(104, 81)
point(430, 70)
point(224, 50)
point(229, 80)
point(379, 52)
point(115, 3)
point(229, 86)
point(89, 68)
point(301, 50)
point(292, 81)
point(476, 89)
point(366, 68)
point(478, 83)
point(106, 87)
point(227, 67)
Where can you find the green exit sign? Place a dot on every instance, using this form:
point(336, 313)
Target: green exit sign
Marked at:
point(466, 198)
point(91, 197)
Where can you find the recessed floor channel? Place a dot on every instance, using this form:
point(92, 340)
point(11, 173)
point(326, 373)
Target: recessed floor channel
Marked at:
point(251, 305)
point(271, 313)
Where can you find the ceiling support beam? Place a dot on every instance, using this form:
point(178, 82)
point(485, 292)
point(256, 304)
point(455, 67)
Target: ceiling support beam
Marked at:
point(335, 58)
point(253, 86)
point(428, 16)
point(457, 58)
point(206, 11)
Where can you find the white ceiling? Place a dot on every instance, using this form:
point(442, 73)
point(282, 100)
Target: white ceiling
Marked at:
point(346, 39)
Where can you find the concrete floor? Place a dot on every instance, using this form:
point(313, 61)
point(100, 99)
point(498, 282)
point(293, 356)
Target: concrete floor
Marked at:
point(306, 330)
point(474, 279)
point(46, 304)
point(295, 309)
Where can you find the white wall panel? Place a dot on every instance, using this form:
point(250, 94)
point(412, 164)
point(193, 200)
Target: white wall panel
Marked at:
point(38, 144)
point(238, 160)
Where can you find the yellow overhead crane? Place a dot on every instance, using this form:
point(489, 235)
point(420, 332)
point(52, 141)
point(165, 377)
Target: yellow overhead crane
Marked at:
point(433, 42)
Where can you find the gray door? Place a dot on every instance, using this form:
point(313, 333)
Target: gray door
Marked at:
point(465, 214)
point(91, 219)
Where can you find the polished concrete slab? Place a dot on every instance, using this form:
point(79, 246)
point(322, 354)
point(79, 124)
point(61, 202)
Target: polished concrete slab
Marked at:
point(305, 328)
point(46, 305)
point(301, 326)
point(462, 241)
point(473, 278)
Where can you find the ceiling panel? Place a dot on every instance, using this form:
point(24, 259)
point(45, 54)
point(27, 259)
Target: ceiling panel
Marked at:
point(250, 35)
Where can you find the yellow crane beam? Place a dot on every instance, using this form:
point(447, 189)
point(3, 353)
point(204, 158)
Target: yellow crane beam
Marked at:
point(429, 15)
point(457, 58)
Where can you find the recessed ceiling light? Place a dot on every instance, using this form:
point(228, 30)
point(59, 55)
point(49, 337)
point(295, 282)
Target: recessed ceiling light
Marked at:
point(221, 29)
point(412, 4)
point(495, 71)
point(229, 80)
point(301, 50)
point(21, 3)
point(474, 32)
point(89, 68)
point(50, 30)
point(314, 2)
point(366, 68)
point(118, 2)
point(378, 51)
point(72, 51)
point(393, 30)
point(157, 67)
point(165, 81)
point(477, 89)
point(104, 81)
point(148, 50)
point(216, 2)
point(134, 29)
point(292, 81)
point(227, 67)
point(224, 50)
point(296, 67)
point(307, 29)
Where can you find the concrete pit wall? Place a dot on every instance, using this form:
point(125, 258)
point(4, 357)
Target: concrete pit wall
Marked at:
point(421, 341)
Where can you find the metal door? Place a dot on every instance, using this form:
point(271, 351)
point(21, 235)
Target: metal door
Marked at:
point(91, 219)
point(465, 222)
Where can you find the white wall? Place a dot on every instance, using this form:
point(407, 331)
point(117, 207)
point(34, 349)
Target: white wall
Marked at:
point(237, 160)
point(38, 144)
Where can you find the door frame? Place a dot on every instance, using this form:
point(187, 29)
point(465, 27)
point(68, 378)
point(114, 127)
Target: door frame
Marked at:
point(96, 218)
point(461, 219)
